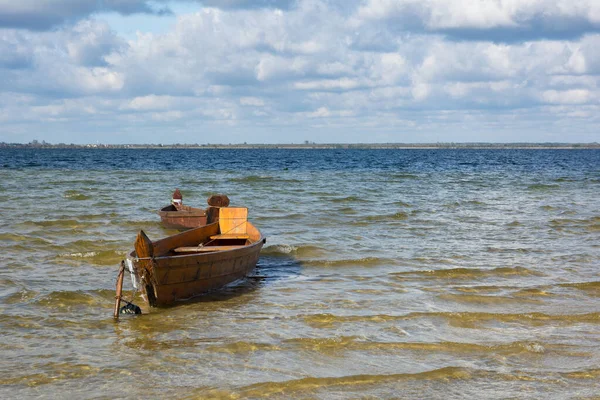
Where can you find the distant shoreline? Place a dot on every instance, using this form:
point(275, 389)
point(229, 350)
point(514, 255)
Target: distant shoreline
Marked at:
point(373, 146)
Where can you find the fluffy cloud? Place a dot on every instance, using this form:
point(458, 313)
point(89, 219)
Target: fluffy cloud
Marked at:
point(375, 70)
point(497, 20)
point(249, 4)
point(67, 62)
point(45, 14)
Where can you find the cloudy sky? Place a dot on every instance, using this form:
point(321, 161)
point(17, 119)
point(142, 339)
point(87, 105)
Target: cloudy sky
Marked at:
point(286, 71)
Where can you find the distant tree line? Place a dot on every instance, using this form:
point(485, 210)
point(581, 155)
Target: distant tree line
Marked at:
point(306, 145)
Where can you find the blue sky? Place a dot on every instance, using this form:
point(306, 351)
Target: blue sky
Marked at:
point(286, 71)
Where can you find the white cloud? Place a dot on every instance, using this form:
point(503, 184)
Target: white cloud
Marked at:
point(329, 84)
point(167, 116)
point(504, 20)
point(252, 101)
point(575, 96)
point(376, 65)
point(45, 14)
point(150, 102)
point(89, 43)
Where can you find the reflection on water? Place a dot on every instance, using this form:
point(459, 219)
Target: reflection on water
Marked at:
point(414, 274)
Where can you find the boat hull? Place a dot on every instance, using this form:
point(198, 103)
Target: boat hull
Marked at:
point(183, 217)
point(169, 279)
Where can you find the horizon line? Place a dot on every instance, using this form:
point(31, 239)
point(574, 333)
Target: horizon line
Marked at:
point(312, 145)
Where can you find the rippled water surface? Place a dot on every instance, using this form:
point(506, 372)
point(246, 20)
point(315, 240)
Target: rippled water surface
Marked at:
point(387, 273)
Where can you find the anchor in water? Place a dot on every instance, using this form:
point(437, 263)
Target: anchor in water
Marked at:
point(129, 308)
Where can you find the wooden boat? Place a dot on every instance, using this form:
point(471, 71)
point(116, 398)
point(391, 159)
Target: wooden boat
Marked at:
point(179, 216)
point(195, 261)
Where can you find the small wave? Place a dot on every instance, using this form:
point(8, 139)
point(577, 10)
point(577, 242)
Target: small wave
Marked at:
point(533, 292)
point(364, 262)
point(324, 345)
point(99, 252)
point(585, 374)
point(85, 182)
point(465, 273)
point(20, 296)
point(583, 285)
point(351, 199)
point(75, 195)
point(287, 249)
point(474, 320)
point(279, 249)
point(55, 372)
point(253, 179)
point(457, 204)
point(590, 224)
point(62, 223)
point(436, 261)
point(134, 224)
point(337, 344)
point(328, 320)
point(517, 250)
point(242, 347)
point(486, 300)
point(108, 257)
point(286, 217)
point(591, 288)
point(67, 299)
point(565, 179)
point(30, 240)
point(402, 176)
point(542, 187)
point(92, 245)
point(311, 384)
point(91, 217)
point(190, 182)
point(471, 320)
point(398, 216)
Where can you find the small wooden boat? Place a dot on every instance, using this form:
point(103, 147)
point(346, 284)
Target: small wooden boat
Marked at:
point(179, 216)
point(195, 261)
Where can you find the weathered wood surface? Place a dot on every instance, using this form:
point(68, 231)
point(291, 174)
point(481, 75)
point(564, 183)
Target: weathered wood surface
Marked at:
point(119, 291)
point(231, 236)
point(143, 245)
point(177, 275)
point(205, 249)
point(182, 217)
point(212, 214)
point(189, 238)
point(233, 220)
point(218, 200)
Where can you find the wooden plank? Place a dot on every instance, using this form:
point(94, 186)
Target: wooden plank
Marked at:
point(231, 236)
point(188, 238)
point(233, 219)
point(205, 249)
point(143, 245)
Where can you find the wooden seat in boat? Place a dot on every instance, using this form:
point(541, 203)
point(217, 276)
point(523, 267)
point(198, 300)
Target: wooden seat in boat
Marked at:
point(204, 249)
point(232, 225)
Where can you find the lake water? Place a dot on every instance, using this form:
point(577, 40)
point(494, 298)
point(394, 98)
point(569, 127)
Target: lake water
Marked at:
point(386, 273)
